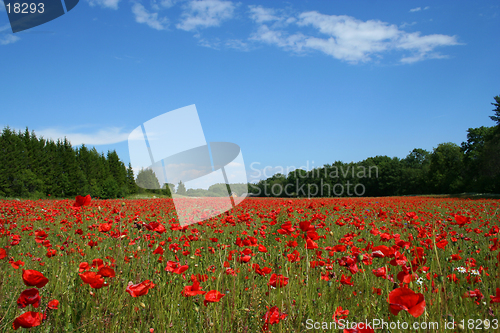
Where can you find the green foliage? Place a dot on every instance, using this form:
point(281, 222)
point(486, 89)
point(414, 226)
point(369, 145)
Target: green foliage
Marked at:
point(181, 188)
point(496, 117)
point(33, 167)
point(146, 179)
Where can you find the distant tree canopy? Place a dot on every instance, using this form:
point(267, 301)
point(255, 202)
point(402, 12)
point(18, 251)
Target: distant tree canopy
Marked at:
point(34, 167)
point(472, 167)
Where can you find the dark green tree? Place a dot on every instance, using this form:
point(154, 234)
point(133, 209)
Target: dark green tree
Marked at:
point(496, 116)
point(181, 188)
point(446, 169)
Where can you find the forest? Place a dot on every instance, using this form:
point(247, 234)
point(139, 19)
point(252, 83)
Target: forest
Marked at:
point(32, 167)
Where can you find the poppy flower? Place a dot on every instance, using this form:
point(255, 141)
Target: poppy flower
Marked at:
point(82, 201)
point(28, 320)
point(84, 266)
point(474, 294)
point(310, 244)
point(140, 289)
point(3, 253)
point(277, 281)
point(53, 304)
point(406, 299)
point(340, 314)
point(193, 290)
point(106, 271)
point(34, 278)
point(16, 264)
point(159, 250)
point(212, 296)
point(105, 227)
point(496, 298)
point(199, 277)
point(272, 316)
point(380, 272)
point(95, 280)
point(347, 280)
point(27, 297)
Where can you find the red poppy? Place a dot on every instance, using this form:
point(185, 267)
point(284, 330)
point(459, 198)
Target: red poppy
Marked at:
point(136, 290)
point(84, 266)
point(272, 316)
point(53, 304)
point(212, 296)
point(347, 280)
point(16, 264)
point(193, 290)
point(199, 277)
point(477, 294)
point(105, 227)
point(406, 299)
point(380, 272)
point(261, 271)
point(95, 280)
point(159, 250)
point(3, 253)
point(277, 281)
point(34, 278)
point(310, 244)
point(496, 298)
point(97, 263)
point(340, 314)
point(106, 271)
point(82, 201)
point(27, 297)
point(28, 320)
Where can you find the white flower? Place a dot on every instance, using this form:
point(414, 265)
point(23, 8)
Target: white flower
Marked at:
point(420, 281)
point(461, 269)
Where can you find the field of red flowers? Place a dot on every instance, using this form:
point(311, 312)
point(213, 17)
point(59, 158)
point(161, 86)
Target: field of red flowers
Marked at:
point(273, 265)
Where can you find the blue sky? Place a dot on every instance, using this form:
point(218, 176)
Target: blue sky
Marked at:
point(293, 83)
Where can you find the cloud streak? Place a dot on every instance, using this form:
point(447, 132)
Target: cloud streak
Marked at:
point(347, 38)
point(205, 13)
point(103, 136)
point(8, 39)
point(150, 19)
point(113, 4)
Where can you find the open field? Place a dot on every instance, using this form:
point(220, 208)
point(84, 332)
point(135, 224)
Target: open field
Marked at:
point(267, 265)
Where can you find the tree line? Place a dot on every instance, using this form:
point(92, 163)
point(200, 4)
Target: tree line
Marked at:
point(449, 168)
point(34, 167)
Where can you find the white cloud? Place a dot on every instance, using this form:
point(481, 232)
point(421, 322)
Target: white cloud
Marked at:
point(205, 13)
point(427, 8)
point(349, 39)
point(260, 14)
point(113, 4)
point(102, 137)
point(415, 10)
point(151, 19)
point(8, 39)
point(406, 24)
point(2, 6)
point(237, 44)
point(161, 4)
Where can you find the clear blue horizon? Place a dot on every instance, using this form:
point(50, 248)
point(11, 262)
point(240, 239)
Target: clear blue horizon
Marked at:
point(295, 83)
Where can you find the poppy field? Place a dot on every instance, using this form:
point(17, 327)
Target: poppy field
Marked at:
point(267, 265)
